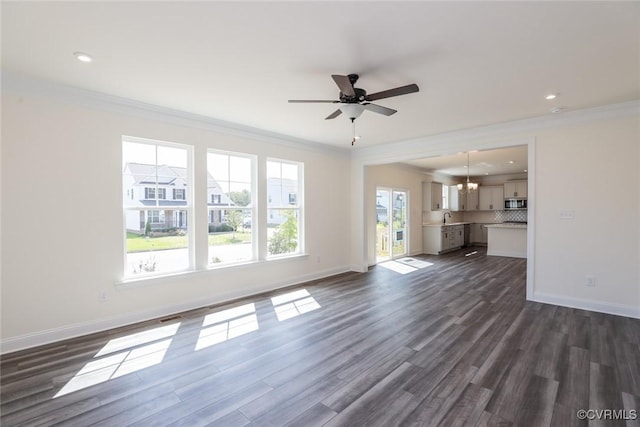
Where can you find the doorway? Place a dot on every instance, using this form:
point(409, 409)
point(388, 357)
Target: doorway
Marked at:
point(391, 223)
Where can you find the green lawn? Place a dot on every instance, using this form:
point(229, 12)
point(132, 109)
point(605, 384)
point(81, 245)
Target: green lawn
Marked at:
point(136, 243)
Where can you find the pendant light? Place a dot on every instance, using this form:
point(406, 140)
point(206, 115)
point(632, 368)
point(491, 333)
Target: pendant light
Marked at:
point(468, 187)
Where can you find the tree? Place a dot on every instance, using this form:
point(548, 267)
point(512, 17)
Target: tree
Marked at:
point(234, 219)
point(285, 238)
point(240, 198)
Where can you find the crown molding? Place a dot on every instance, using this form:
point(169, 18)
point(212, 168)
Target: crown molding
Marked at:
point(490, 136)
point(13, 82)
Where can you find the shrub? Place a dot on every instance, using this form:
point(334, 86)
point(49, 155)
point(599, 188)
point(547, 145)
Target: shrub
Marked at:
point(220, 228)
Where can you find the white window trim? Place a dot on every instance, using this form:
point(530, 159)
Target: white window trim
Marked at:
point(252, 207)
point(188, 207)
point(284, 205)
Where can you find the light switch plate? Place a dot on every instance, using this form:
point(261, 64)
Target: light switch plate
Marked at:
point(567, 214)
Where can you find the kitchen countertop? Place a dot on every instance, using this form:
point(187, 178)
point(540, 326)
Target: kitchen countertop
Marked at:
point(440, 224)
point(506, 225)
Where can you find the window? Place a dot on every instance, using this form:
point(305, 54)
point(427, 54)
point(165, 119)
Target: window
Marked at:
point(156, 230)
point(230, 189)
point(178, 194)
point(153, 217)
point(445, 197)
point(284, 194)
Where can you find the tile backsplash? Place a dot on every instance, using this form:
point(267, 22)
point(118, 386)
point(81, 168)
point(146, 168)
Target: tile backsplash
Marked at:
point(474, 216)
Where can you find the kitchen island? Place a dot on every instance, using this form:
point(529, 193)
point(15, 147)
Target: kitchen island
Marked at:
point(507, 239)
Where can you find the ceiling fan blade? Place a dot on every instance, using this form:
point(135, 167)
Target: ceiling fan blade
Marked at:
point(402, 90)
point(379, 109)
point(344, 84)
point(306, 101)
point(333, 115)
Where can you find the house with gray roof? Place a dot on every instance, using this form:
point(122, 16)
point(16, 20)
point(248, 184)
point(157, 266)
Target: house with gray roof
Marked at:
point(160, 192)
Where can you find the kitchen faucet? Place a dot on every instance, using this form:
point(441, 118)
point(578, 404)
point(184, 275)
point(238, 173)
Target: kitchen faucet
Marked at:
point(444, 217)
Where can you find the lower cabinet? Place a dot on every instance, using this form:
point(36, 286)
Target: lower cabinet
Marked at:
point(478, 234)
point(444, 238)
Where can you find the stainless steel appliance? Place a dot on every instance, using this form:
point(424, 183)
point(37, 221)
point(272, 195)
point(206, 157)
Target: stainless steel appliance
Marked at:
point(515, 204)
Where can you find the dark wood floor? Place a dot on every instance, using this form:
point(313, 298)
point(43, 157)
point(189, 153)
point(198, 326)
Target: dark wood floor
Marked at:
point(450, 344)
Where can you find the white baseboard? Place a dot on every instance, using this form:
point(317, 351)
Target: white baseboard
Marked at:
point(597, 306)
point(507, 254)
point(53, 335)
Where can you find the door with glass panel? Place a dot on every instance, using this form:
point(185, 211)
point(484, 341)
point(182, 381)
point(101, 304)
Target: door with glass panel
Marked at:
point(391, 223)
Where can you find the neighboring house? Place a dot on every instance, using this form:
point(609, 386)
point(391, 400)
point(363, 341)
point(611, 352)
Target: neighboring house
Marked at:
point(280, 192)
point(164, 188)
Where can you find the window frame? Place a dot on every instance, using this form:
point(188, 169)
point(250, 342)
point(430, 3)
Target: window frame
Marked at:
point(218, 206)
point(285, 205)
point(188, 207)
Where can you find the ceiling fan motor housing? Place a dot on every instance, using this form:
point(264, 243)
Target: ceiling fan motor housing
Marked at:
point(359, 97)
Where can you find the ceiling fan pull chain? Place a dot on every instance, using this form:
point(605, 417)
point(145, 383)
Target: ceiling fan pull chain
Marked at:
point(353, 121)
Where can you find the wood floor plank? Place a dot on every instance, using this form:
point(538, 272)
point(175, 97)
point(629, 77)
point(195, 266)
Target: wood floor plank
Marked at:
point(454, 344)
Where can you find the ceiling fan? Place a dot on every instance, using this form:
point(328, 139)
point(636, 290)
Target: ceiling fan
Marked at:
point(353, 101)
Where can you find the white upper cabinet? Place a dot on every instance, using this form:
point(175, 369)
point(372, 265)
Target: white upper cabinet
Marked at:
point(472, 201)
point(515, 189)
point(491, 198)
point(436, 196)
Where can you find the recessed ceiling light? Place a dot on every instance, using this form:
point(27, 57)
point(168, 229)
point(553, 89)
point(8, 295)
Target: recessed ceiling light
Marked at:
point(486, 173)
point(551, 96)
point(525, 170)
point(83, 57)
point(511, 162)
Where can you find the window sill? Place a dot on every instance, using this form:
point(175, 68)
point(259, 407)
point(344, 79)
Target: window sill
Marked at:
point(136, 282)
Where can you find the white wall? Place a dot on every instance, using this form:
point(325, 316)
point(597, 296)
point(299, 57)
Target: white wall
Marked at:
point(62, 161)
point(593, 170)
point(586, 161)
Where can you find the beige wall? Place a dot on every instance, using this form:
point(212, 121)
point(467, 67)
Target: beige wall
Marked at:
point(397, 178)
point(62, 238)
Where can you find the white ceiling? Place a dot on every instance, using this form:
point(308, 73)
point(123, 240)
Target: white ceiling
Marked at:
point(504, 161)
point(476, 63)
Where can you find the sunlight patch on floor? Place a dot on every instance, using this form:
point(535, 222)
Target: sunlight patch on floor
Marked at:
point(126, 355)
point(405, 265)
point(227, 324)
point(294, 304)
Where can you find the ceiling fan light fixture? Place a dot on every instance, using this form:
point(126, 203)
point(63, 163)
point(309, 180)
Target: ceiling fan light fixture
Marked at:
point(352, 111)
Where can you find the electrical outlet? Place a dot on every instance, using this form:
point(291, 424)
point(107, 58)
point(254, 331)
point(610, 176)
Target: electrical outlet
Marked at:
point(590, 281)
point(103, 296)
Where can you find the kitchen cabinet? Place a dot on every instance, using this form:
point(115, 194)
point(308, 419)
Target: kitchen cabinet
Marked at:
point(457, 199)
point(436, 196)
point(491, 198)
point(458, 236)
point(478, 234)
point(517, 189)
point(439, 239)
point(472, 201)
